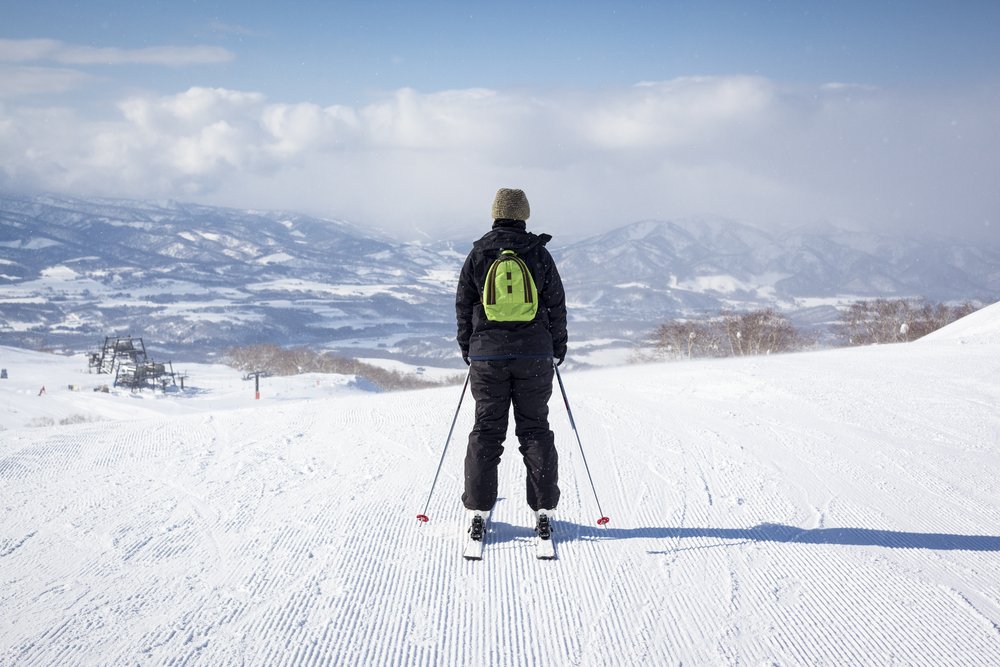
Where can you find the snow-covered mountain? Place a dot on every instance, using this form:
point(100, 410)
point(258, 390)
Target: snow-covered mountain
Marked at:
point(185, 276)
point(704, 263)
point(785, 520)
point(198, 278)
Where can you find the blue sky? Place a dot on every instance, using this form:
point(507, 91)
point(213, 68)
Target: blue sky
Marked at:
point(336, 52)
point(407, 115)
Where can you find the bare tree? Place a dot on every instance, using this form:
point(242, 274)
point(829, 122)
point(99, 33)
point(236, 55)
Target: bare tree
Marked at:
point(896, 320)
point(275, 360)
point(761, 332)
point(728, 334)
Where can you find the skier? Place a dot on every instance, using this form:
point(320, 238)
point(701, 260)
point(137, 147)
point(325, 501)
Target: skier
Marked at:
point(511, 362)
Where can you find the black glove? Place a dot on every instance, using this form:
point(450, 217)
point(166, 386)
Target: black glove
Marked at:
point(560, 358)
point(465, 358)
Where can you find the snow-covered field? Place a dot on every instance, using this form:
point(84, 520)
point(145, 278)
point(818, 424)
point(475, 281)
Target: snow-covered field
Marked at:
point(838, 507)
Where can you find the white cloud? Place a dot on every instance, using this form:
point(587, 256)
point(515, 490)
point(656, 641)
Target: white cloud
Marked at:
point(193, 108)
point(685, 111)
point(50, 50)
point(27, 50)
point(21, 81)
point(739, 146)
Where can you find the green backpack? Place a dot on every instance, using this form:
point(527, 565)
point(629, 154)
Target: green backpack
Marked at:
point(509, 294)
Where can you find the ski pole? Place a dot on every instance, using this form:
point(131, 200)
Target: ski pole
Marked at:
point(423, 515)
point(603, 521)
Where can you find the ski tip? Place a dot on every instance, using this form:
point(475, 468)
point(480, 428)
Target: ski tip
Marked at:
point(423, 518)
point(603, 521)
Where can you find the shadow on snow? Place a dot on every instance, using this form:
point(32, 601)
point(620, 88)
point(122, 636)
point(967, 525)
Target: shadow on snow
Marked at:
point(767, 532)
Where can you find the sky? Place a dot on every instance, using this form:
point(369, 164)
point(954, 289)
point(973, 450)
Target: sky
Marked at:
point(407, 117)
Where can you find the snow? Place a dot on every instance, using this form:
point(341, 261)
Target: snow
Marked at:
point(835, 507)
point(440, 276)
point(981, 327)
point(60, 273)
point(30, 244)
point(311, 286)
point(276, 258)
point(425, 372)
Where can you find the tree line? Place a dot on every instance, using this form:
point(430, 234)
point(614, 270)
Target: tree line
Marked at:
point(896, 320)
point(275, 360)
point(766, 331)
point(728, 334)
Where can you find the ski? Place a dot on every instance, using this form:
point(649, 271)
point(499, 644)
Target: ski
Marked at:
point(545, 546)
point(476, 538)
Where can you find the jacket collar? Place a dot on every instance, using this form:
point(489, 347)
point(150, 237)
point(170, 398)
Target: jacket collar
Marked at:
point(512, 225)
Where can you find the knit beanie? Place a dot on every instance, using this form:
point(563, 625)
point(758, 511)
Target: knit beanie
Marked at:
point(510, 204)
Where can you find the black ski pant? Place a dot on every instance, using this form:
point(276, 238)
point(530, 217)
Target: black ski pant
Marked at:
point(496, 385)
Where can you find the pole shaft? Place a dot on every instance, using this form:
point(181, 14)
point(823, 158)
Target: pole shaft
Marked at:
point(572, 423)
point(447, 440)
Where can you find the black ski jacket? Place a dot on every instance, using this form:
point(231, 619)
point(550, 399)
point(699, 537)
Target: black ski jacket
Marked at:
point(480, 338)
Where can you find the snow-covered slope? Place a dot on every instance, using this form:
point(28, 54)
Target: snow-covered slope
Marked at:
point(45, 389)
point(839, 507)
point(981, 327)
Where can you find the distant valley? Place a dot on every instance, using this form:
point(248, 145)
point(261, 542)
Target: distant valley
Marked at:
point(195, 280)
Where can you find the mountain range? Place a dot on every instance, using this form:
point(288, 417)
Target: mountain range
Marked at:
point(196, 279)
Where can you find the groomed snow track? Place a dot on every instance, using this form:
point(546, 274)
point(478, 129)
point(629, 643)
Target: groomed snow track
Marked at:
point(828, 508)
